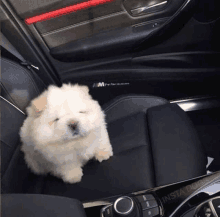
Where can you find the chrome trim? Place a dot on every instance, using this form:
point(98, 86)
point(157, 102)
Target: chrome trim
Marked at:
point(191, 99)
point(212, 208)
point(211, 189)
point(143, 9)
point(210, 205)
point(185, 5)
point(123, 213)
point(198, 103)
point(95, 203)
point(35, 67)
point(13, 105)
point(103, 210)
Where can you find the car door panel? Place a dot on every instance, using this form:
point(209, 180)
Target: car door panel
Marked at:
point(101, 43)
point(102, 19)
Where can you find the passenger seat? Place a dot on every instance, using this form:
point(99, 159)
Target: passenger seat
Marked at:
point(154, 144)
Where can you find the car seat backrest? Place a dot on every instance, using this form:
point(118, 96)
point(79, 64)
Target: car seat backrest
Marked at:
point(19, 85)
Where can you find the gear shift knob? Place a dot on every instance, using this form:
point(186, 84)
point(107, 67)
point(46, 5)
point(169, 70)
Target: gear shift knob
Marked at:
point(124, 206)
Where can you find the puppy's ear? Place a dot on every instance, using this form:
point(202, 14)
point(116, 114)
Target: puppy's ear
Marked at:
point(85, 89)
point(38, 105)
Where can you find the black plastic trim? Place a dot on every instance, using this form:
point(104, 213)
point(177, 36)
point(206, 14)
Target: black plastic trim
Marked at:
point(106, 44)
point(170, 27)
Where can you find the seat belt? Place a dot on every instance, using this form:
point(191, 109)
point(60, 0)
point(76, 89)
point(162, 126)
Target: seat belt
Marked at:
point(11, 49)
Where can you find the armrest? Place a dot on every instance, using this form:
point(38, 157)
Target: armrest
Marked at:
point(35, 205)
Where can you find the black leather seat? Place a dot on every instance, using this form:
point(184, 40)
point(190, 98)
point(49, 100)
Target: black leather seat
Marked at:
point(154, 144)
point(29, 205)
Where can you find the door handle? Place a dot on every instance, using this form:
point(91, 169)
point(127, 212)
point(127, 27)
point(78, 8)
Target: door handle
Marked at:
point(142, 7)
point(145, 9)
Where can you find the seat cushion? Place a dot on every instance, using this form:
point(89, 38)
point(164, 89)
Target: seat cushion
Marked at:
point(20, 205)
point(141, 160)
point(130, 169)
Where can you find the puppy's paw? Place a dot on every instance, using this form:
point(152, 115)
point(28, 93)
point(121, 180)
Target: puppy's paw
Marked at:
point(73, 176)
point(103, 155)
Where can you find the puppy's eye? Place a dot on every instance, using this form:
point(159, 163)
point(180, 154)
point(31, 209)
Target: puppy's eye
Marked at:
point(83, 112)
point(57, 119)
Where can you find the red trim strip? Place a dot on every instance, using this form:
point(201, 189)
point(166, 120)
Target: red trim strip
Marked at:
point(64, 11)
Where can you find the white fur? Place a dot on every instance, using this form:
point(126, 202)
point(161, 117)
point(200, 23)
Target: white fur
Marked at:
point(50, 146)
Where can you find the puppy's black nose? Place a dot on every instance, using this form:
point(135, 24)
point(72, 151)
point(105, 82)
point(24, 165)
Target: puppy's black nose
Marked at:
point(73, 126)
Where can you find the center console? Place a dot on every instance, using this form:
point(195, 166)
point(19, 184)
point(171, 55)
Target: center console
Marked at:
point(198, 197)
point(134, 206)
point(143, 205)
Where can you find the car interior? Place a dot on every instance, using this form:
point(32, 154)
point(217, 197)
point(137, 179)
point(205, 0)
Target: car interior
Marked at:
point(154, 67)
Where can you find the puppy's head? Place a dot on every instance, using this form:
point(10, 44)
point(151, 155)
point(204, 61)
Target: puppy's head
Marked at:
point(65, 114)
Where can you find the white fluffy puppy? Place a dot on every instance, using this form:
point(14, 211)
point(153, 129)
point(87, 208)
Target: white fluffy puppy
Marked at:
point(65, 128)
